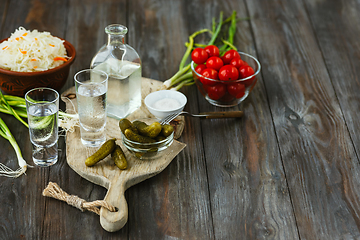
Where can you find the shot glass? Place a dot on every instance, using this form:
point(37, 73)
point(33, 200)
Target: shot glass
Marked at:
point(42, 106)
point(91, 90)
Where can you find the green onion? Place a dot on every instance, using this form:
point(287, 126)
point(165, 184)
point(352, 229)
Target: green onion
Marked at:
point(183, 77)
point(217, 31)
point(12, 104)
point(7, 106)
point(229, 44)
point(4, 170)
point(16, 106)
point(190, 46)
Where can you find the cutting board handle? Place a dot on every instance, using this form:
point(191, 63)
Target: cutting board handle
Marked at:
point(113, 221)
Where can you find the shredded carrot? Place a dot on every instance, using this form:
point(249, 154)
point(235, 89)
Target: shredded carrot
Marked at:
point(60, 58)
point(22, 38)
point(35, 66)
point(5, 47)
point(23, 52)
point(17, 39)
point(33, 59)
point(52, 45)
point(24, 34)
point(35, 39)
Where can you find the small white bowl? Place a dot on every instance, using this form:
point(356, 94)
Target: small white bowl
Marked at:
point(164, 102)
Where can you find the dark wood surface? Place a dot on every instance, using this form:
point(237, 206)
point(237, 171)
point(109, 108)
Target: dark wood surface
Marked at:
point(289, 169)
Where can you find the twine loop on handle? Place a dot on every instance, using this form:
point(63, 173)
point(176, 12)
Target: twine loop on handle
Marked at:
point(53, 190)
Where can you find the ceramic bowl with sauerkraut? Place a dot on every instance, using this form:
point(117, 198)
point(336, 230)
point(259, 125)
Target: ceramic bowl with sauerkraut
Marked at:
point(30, 59)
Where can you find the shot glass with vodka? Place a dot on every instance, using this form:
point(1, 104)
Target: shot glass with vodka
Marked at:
point(42, 106)
point(91, 90)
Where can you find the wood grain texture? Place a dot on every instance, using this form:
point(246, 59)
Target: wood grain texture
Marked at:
point(338, 41)
point(288, 169)
point(175, 203)
point(317, 153)
point(86, 21)
point(248, 189)
point(3, 10)
point(20, 194)
point(26, 191)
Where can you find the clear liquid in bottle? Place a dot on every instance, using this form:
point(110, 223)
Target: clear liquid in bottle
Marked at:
point(123, 66)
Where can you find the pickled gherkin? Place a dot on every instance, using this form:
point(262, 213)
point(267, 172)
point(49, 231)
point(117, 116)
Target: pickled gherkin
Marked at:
point(160, 138)
point(101, 153)
point(137, 137)
point(119, 158)
point(139, 124)
point(151, 130)
point(147, 139)
point(125, 124)
point(167, 130)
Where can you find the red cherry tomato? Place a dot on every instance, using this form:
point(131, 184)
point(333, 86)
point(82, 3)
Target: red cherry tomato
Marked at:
point(212, 50)
point(199, 68)
point(228, 73)
point(236, 89)
point(217, 91)
point(229, 55)
point(209, 73)
point(214, 63)
point(199, 55)
point(238, 62)
point(246, 71)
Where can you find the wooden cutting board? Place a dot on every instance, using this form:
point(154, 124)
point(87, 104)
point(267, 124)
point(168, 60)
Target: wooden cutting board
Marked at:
point(106, 173)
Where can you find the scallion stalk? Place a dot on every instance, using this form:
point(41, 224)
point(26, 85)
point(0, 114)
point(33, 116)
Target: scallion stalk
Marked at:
point(16, 106)
point(182, 77)
point(13, 112)
point(4, 170)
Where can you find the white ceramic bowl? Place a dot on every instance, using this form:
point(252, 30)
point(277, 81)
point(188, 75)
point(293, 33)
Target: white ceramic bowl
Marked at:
point(164, 102)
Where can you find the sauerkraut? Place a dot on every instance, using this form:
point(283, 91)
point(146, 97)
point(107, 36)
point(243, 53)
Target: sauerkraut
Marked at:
point(32, 51)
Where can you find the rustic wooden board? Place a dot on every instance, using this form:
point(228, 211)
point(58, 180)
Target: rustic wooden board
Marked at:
point(106, 173)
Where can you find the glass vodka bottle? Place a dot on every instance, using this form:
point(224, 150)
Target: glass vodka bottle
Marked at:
point(123, 66)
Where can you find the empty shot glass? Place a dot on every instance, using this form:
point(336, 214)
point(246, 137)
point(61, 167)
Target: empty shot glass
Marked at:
point(42, 106)
point(91, 90)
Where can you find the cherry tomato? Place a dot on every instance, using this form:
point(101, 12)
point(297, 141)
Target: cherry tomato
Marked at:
point(229, 55)
point(199, 68)
point(238, 62)
point(209, 73)
point(236, 89)
point(199, 55)
point(214, 63)
point(212, 50)
point(246, 71)
point(228, 73)
point(217, 91)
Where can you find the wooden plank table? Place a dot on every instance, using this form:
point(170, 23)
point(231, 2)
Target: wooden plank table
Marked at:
point(289, 169)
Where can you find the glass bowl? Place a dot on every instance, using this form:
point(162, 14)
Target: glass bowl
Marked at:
point(205, 84)
point(147, 151)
